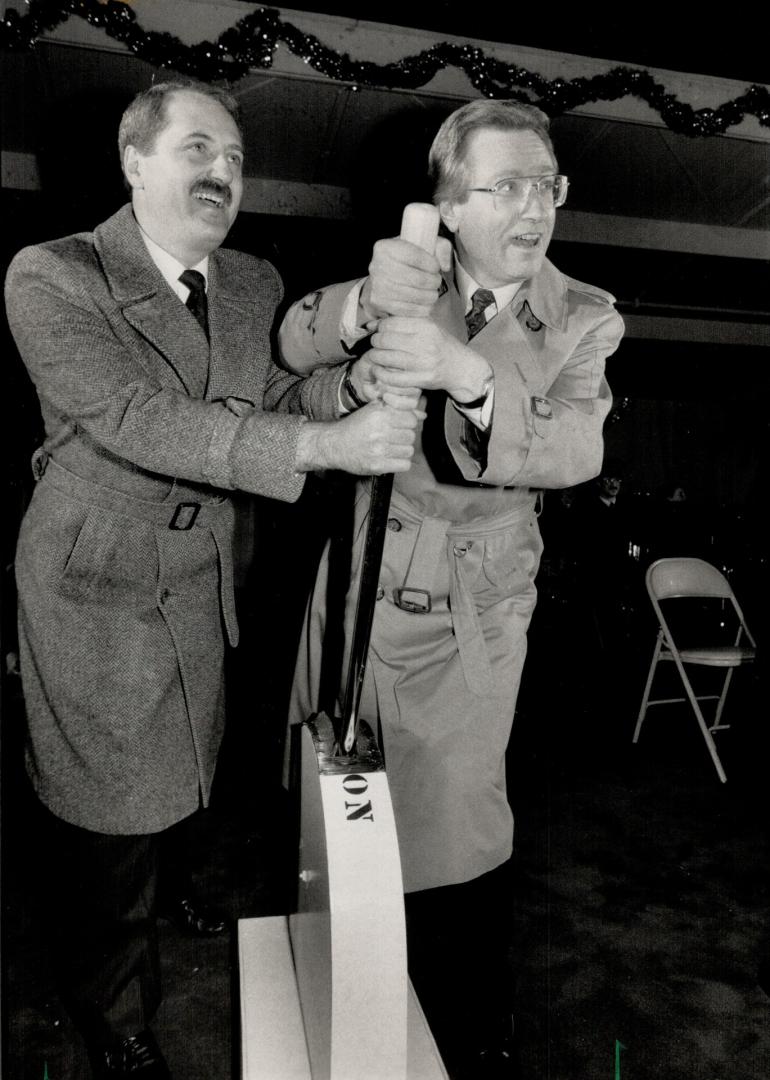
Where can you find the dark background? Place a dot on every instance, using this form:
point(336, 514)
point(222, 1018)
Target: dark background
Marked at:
point(688, 414)
point(694, 415)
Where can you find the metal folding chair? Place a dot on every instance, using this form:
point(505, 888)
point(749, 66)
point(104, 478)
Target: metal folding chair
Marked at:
point(675, 579)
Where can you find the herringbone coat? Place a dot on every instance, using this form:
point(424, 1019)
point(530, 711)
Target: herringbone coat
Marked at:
point(123, 611)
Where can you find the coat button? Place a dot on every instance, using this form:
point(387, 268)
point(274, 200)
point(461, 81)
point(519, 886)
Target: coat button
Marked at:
point(164, 595)
point(394, 525)
point(460, 550)
point(380, 592)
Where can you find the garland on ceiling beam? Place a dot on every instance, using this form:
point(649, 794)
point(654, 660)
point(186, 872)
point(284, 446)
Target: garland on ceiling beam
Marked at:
point(252, 41)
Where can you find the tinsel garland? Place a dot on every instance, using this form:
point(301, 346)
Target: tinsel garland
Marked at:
point(252, 41)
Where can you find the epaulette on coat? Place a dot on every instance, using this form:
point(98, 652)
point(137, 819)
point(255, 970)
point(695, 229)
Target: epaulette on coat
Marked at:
point(589, 290)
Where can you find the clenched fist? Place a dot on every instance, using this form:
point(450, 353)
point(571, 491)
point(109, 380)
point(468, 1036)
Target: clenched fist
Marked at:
point(403, 279)
point(376, 439)
point(409, 352)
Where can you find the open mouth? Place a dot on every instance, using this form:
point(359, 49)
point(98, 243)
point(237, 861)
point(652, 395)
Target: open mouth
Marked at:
point(526, 240)
point(213, 197)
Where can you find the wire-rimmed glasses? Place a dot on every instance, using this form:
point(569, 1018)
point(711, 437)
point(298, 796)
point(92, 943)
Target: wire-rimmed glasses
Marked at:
point(514, 191)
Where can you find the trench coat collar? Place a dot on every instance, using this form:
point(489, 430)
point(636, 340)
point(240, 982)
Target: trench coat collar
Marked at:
point(545, 295)
point(540, 301)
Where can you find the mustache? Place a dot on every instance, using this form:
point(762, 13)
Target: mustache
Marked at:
point(213, 187)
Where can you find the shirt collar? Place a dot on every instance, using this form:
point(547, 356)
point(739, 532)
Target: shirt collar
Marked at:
point(171, 267)
point(466, 287)
point(546, 293)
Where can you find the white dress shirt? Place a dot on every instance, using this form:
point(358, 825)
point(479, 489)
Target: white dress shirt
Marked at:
point(171, 268)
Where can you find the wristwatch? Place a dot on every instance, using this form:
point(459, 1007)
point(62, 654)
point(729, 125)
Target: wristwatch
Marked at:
point(350, 390)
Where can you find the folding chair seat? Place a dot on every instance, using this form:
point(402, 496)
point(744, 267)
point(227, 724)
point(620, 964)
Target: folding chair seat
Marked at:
point(669, 580)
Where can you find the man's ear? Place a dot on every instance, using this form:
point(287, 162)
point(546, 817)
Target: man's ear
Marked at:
point(448, 215)
point(132, 167)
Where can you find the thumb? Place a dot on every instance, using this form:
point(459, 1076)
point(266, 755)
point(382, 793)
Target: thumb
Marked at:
point(444, 253)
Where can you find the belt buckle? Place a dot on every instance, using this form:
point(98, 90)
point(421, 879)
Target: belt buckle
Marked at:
point(184, 516)
point(415, 605)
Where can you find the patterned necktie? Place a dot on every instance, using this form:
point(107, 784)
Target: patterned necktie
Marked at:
point(196, 301)
point(475, 319)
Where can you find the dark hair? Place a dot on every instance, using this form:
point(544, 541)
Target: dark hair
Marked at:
point(147, 115)
point(446, 160)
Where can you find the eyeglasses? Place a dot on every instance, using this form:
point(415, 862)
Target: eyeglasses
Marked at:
point(516, 190)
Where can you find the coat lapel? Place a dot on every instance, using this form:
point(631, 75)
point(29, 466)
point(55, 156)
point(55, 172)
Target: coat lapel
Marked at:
point(240, 297)
point(233, 333)
point(527, 333)
point(448, 312)
point(505, 340)
point(165, 323)
point(502, 340)
point(150, 306)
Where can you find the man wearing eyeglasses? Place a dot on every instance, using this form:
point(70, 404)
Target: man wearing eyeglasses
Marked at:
point(509, 354)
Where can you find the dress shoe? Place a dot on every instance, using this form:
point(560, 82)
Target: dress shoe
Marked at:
point(193, 918)
point(134, 1058)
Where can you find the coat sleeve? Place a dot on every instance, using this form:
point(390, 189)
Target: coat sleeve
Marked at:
point(310, 336)
point(92, 381)
point(549, 441)
point(312, 354)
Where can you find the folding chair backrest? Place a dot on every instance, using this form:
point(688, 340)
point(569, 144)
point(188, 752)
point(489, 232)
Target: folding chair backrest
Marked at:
point(668, 578)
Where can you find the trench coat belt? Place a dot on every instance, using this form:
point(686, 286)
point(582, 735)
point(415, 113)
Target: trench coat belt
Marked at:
point(437, 537)
point(216, 516)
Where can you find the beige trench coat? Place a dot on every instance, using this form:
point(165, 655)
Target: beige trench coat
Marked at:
point(442, 684)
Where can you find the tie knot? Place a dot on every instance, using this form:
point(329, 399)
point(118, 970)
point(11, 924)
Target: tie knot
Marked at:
point(481, 299)
point(194, 280)
point(475, 320)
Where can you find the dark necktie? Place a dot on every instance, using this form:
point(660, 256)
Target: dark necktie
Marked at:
point(475, 319)
point(196, 301)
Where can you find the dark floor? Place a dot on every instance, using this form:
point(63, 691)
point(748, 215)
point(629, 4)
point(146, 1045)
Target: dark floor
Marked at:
point(644, 898)
point(642, 902)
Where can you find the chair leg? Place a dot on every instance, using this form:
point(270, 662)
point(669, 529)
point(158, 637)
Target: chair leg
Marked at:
point(701, 722)
point(716, 726)
point(648, 687)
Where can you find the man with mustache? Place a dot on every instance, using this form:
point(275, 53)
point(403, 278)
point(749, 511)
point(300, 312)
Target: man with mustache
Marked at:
point(150, 352)
point(510, 353)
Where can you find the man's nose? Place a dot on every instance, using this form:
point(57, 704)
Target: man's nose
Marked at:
point(539, 204)
point(222, 169)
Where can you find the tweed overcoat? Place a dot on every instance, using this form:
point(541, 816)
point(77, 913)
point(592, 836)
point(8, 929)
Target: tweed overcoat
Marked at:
point(462, 548)
point(124, 559)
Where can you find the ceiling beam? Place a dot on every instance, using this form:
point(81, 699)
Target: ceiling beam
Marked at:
point(325, 201)
point(193, 21)
point(295, 198)
point(682, 236)
point(700, 331)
